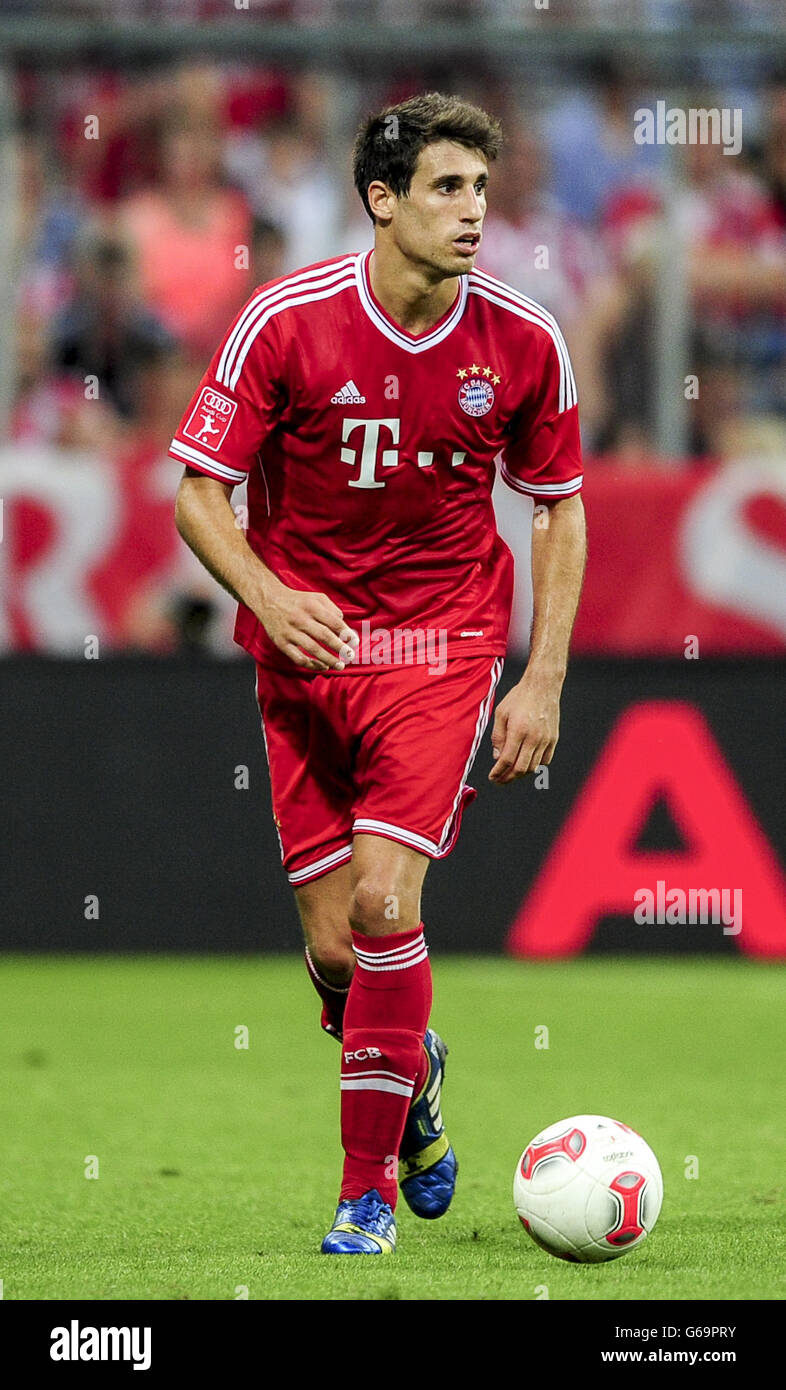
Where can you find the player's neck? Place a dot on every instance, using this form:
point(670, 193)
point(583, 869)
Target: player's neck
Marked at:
point(407, 296)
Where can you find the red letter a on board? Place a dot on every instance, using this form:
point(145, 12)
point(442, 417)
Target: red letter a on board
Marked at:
point(658, 749)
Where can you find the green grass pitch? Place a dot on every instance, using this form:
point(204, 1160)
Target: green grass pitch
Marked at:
point(218, 1166)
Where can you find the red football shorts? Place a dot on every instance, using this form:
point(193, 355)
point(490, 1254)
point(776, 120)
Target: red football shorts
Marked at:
point(385, 752)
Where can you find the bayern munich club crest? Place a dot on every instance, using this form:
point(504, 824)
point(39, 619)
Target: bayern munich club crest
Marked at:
point(476, 393)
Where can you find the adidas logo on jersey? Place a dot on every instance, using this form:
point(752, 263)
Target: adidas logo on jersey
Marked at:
point(348, 395)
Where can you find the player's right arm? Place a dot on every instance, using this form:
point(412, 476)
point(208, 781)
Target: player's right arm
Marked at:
point(235, 407)
point(301, 624)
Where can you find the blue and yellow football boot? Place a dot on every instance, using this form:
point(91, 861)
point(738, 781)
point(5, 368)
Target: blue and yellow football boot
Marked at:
point(427, 1164)
point(362, 1226)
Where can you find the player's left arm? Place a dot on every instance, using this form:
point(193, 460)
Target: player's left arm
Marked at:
point(543, 461)
point(526, 721)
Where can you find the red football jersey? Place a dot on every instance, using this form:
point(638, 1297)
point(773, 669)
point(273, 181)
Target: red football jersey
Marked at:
point(371, 453)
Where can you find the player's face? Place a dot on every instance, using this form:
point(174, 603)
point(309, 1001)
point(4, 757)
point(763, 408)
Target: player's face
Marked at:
point(439, 223)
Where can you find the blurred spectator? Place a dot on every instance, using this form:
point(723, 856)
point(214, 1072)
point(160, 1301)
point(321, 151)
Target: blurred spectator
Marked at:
point(268, 252)
point(774, 156)
point(589, 135)
point(53, 409)
point(192, 239)
point(252, 95)
point(539, 248)
point(736, 267)
point(356, 228)
point(108, 131)
point(49, 218)
point(105, 331)
point(288, 180)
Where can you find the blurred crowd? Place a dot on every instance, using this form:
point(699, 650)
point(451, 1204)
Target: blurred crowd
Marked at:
point(149, 205)
point(148, 208)
point(650, 14)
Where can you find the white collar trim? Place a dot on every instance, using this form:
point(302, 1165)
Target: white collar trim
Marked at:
point(386, 325)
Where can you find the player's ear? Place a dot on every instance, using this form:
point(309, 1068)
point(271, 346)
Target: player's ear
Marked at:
point(381, 200)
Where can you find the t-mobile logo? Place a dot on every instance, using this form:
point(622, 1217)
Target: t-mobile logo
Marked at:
point(368, 454)
point(367, 477)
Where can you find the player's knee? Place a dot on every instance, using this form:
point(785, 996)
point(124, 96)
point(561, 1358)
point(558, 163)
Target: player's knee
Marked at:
point(329, 941)
point(332, 956)
point(378, 907)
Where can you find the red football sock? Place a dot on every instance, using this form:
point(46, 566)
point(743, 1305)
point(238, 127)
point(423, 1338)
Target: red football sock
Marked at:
point(382, 1056)
point(334, 998)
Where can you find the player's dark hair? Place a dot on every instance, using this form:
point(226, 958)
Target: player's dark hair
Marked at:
point(388, 145)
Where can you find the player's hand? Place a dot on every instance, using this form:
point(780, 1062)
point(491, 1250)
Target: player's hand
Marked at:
point(309, 628)
point(526, 728)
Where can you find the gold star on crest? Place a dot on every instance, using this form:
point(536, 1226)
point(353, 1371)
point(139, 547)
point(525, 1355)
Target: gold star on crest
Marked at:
point(475, 369)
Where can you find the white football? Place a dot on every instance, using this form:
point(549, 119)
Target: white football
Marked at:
point(588, 1189)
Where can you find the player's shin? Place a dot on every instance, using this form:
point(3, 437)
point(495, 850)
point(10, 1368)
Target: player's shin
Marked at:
point(334, 999)
point(382, 1056)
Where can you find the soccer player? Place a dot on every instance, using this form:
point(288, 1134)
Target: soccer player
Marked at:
point(369, 400)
